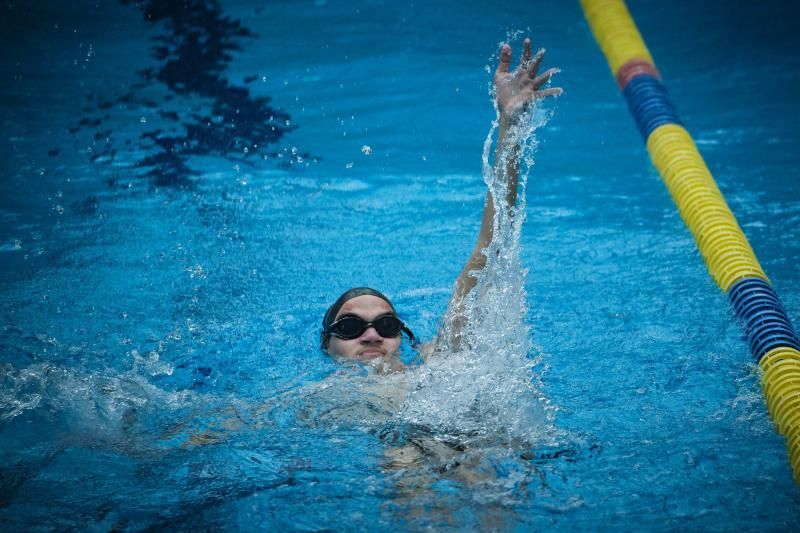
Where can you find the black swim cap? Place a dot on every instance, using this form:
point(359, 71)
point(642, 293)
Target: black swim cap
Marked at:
point(333, 310)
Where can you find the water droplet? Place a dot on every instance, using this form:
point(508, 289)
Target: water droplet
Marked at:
point(196, 271)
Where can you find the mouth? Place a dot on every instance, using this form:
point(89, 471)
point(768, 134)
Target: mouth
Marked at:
point(372, 353)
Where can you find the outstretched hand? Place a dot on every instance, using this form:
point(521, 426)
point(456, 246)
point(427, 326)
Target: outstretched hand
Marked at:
point(513, 91)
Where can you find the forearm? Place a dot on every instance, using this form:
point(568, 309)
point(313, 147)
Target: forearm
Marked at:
point(507, 154)
point(506, 169)
point(506, 161)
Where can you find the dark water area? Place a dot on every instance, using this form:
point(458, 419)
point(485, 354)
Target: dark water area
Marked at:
point(192, 107)
point(193, 48)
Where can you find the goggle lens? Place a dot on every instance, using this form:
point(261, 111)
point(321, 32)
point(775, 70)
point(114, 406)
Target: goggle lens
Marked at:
point(351, 327)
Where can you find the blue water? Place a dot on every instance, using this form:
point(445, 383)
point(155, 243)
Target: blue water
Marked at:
point(162, 287)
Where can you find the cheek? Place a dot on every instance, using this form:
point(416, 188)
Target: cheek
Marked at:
point(341, 347)
point(394, 343)
point(333, 346)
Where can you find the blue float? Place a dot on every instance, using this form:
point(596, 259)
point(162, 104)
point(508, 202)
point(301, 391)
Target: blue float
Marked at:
point(649, 104)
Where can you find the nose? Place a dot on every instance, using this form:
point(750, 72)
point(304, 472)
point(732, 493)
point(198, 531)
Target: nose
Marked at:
point(370, 335)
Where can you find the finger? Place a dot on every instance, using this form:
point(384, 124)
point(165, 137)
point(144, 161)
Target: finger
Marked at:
point(536, 62)
point(526, 52)
point(553, 91)
point(505, 59)
point(540, 80)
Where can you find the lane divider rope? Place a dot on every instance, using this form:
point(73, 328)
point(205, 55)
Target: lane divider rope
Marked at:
point(726, 251)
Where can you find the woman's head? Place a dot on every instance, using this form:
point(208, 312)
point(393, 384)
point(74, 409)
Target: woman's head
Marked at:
point(362, 325)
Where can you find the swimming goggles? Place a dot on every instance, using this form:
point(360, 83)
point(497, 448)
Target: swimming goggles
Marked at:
point(351, 327)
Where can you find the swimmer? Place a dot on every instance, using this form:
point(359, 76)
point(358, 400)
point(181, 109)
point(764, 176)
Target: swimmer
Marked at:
point(362, 324)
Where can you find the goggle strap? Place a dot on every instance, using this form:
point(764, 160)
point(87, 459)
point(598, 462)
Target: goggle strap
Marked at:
point(411, 337)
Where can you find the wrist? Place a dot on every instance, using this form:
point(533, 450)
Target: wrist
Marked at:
point(505, 128)
point(507, 121)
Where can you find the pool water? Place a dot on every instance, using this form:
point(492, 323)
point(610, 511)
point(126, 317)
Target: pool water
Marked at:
point(184, 192)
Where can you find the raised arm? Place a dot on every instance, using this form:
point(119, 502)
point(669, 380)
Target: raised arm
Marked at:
point(513, 92)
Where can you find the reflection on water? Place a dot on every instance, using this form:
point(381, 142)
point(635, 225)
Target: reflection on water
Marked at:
point(186, 101)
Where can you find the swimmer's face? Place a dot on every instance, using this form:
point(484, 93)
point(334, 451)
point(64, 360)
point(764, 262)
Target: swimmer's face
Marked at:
point(369, 345)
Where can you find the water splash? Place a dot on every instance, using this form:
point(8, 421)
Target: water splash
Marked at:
point(106, 405)
point(481, 382)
